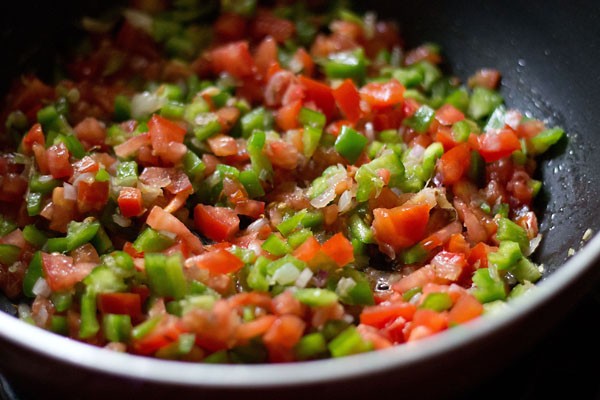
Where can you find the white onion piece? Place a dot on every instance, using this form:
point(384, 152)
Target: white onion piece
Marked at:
point(344, 286)
point(24, 311)
point(121, 220)
point(41, 288)
point(286, 274)
point(415, 156)
point(145, 103)
point(304, 278)
point(88, 177)
point(533, 244)
point(345, 203)
point(70, 192)
point(512, 119)
point(168, 234)
point(324, 198)
point(257, 225)
point(149, 193)
point(139, 20)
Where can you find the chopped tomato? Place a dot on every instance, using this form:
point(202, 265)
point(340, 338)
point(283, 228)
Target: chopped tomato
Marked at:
point(121, 303)
point(348, 100)
point(307, 250)
point(423, 53)
point(216, 223)
point(254, 328)
point(161, 220)
point(92, 196)
point(164, 333)
point(465, 309)
point(163, 133)
point(496, 145)
point(222, 145)
point(380, 95)
point(131, 146)
point(485, 77)
point(58, 161)
point(86, 164)
point(379, 315)
point(250, 208)
point(233, 58)
point(219, 261)
point(304, 61)
point(283, 154)
point(265, 55)
point(454, 163)
point(458, 244)
point(62, 273)
point(478, 255)
point(286, 331)
point(91, 132)
point(33, 136)
point(400, 227)
point(339, 249)
point(130, 202)
point(320, 94)
point(287, 116)
point(449, 266)
point(286, 303)
point(448, 115)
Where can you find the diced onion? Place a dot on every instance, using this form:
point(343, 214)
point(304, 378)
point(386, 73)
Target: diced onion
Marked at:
point(304, 278)
point(345, 203)
point(70, 192)
point(144, 104)
point(24, 311)
point(533, 244)
point(257, 225)
point(121, 220)
point(286, 274)
point(344, 286)
point(41, 288)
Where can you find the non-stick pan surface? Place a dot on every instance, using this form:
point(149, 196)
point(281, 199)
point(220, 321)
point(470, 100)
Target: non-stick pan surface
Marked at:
point(548, 52)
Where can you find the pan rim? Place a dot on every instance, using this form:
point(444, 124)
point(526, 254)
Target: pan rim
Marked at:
point(264, 376)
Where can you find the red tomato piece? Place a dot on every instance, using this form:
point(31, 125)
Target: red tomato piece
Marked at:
point(233, 58)
point(230, 27)
point(219, 261)
point(448, 115)
point(121, 303)
point(454, 163)
point(222, 145)
point(250, 208)
point(379, 315)
point(285, 332)
point(61, 273)
point(400, 227)
point(58, 161)
point(494, 146)
point(265, 55)
point(92, 195)
point(307, 250)
point(33, 136)
point(161, 220)
point(267, 24)
point(348, 100)
point(339, 249)
point(91, 132)
point(304, 60)
point(465, 309)
point(131, 146)
point(320, 94)
point(287, 116)
point(485, 77)
point(130, 202)
point(216, 223)
point(380, 95)
point(163, 132)
point(164, 333)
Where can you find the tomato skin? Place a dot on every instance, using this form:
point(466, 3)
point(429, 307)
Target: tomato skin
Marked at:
point(400, 227)
point(380, 95)
point(163, 132)
point(454, 163)
point(130, 202)
point(320, 94)
point(58, 161)
point(121, 303)
point(219, 261)
point(233, 58)
point(494, 146)
point(348, 100)
point(216, 223)
point(339, 249)
point(265, 56)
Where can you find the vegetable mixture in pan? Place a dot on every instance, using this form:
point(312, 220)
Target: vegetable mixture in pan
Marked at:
point(230, 183)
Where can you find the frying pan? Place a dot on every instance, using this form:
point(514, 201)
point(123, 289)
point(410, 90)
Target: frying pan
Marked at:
point(548, 52)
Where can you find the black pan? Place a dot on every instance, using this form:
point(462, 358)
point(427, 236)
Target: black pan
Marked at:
point(548, 52)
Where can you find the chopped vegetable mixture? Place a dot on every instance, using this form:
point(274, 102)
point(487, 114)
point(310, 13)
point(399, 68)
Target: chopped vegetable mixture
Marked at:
point(229, 183)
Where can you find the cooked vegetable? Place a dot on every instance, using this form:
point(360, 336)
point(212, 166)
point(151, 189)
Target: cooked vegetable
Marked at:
point(273, 187)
